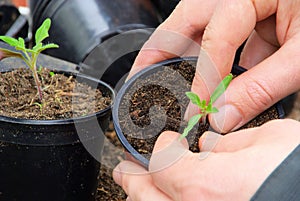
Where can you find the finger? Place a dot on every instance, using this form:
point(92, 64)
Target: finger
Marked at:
point(261, 44)
point(219, 45)
point(245, 138)
point(256, 50)
point(258, 89)
point(176, 34)
point(226, 31)
point(168, 150)
point(171, 176)
point(213, 142)
point(137, 183)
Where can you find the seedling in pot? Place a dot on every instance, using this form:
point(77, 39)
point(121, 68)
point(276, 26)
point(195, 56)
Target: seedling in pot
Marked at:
point(206, 107)
point(30, 56)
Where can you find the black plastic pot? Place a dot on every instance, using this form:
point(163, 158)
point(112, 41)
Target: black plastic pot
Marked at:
point(127, 87)
point(79, 27)
point(165, 8)
point(53, 159)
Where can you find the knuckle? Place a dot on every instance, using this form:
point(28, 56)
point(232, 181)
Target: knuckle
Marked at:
point(258, 94)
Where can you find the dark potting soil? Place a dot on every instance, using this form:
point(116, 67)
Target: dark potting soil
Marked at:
point(157, 102)
point(63, 96)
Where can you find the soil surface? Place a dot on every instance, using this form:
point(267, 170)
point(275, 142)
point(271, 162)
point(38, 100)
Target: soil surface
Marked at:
point(157, 102)
point(63, 96)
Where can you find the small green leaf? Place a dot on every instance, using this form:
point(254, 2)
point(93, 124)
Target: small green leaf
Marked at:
point(21, 43)
point(37, 47)
point(194, 98)
point(47, 46)
point(203, 104)
point(214, 110)
point(40, 106)
point(42, 31)
point(192, 122)
point(51, 74)
point(220, 89)
point(211, 109)
point(9, 40)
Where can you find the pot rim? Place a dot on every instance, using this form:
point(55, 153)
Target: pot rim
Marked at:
point(68, 120)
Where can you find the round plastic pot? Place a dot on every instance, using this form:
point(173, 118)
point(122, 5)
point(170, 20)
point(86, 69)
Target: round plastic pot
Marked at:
point(165, 8)
point(53, 159)
point(236, 70)
point(80, 27)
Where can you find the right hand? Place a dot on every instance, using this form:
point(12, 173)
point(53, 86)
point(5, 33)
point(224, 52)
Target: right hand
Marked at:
point(220, 27)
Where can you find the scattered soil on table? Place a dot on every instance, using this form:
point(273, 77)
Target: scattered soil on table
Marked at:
point(156, 102)
point(113, 153)
point(63, 96)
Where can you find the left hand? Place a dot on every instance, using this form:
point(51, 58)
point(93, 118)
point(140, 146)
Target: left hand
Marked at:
point(232, 167)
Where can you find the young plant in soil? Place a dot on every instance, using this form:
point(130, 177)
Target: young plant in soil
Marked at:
point(205, 107)
point(30, 56)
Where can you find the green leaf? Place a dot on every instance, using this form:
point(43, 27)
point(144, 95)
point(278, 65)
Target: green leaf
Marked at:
point(214, 110)
point(192, 122)
point(51, 74)
point(21, 44)
point(211, 109)
point(37, 47)
point(9, 40)
point(220, 89)
point(48, 46)
point(194, 98)
point(203, 104)
point(42, 31)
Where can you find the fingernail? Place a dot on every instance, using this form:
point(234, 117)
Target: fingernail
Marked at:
point(227, 119)
point(209, 140)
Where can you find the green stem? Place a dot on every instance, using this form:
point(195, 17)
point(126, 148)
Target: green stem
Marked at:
point(32, 67)
point(38, 85)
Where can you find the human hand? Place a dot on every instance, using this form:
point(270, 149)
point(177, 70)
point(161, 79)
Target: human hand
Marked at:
point(220, 27)
point(230, 167)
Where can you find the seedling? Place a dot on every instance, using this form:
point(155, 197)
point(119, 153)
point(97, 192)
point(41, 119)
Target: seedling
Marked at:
point(206, 107)
point(30, 56)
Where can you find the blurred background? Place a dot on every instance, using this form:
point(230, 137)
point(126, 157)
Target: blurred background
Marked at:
point(86, 30)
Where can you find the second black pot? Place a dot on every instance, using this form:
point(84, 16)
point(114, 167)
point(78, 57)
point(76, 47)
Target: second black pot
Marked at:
point(80, 27)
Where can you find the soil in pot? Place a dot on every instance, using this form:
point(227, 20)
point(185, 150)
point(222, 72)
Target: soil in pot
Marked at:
point(19, 98)
point(149, 108)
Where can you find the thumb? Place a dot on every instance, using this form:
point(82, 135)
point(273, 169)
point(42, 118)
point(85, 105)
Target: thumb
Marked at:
point(207, 78)
point(254, 91)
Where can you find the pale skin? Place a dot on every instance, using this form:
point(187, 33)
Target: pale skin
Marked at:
point(221, 26)
point(272, 56)
point(232, 170)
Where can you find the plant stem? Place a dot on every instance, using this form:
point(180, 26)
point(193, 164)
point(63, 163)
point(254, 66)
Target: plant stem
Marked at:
point(38, 85)
point(32, 66)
